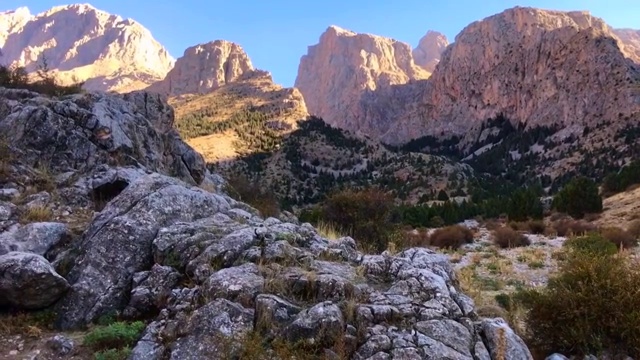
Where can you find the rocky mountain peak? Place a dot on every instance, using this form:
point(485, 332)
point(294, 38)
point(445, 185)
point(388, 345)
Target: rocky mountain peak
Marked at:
point(204, 68)
point(106, 51)
point(427, 53)
point(343, 65)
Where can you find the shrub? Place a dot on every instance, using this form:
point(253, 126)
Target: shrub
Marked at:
point(589, 307)
point(6, 156)
point(504, 301)
point(363, 214)
point(436, 221)
point(506, 237)
point(634, 229)
point(594, 244)
point(518, 226)
point(536, 226)
point(409, 239)
point(620, 238)
point(242, 189)
point(568, 227)
point(451, 237)
point(524, 204)
point(114, 336)
point(581, 227)
point(579, 197)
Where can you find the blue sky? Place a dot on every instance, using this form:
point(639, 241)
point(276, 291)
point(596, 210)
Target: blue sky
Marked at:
point(276, 33)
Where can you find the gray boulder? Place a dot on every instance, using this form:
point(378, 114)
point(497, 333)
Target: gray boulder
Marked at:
point(28, 281)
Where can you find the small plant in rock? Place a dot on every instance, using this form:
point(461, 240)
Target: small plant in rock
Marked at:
point(328, 231)
point(27, 323)
point(6, 156)
point(113, 354)
point(505, 237)
point(451, 237)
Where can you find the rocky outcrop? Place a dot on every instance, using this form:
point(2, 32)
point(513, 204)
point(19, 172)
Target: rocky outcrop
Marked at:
point(430, 48)
point(81, 132)
point(204, 68)
point(108, 52)
point(344, 67)
point(213, 276)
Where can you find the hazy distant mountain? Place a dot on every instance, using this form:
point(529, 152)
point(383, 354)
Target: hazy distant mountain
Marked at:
point(80, 41)
point(429, 50)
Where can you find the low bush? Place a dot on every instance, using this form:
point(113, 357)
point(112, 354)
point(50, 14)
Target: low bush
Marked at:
point(619, 237)
point(594, 244)
point(506, 237)
point(451, 237)
point(408, 239)
point(568, 227)
point(365, 215)
point(113, 354)
point(536, 226)
point(634, 229)
point(251, 192)
point(590, 306)
point(115, 336)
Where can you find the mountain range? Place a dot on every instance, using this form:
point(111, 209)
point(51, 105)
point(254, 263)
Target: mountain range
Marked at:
point(527, 95)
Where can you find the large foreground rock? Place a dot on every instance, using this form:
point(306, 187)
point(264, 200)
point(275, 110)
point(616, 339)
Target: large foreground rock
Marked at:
point(118, 243)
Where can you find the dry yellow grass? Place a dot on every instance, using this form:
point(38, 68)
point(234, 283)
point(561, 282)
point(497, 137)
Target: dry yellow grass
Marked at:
point(36, 214)
point(328, 231)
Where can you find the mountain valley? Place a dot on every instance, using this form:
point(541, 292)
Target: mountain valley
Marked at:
point(471, 199)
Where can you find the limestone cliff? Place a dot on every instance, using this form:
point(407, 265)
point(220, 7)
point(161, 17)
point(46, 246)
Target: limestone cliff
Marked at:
point(430, 48)
point(82, 42)
point(204, 68)
point(536, 67)
point(335, 73)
